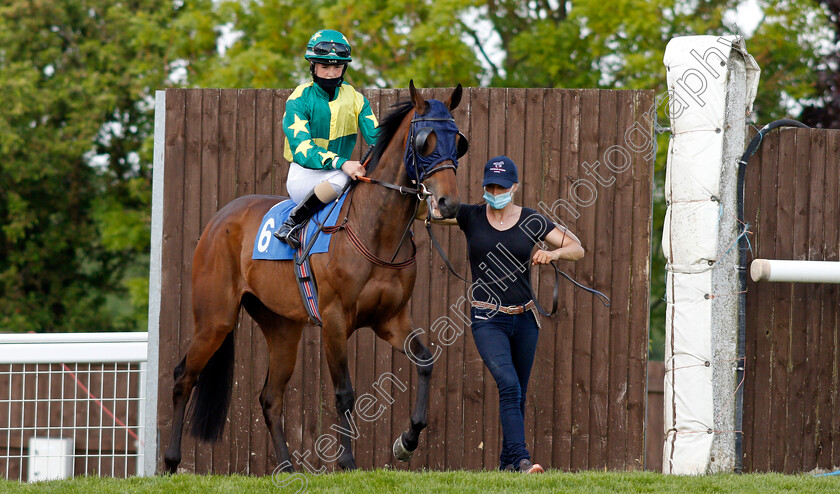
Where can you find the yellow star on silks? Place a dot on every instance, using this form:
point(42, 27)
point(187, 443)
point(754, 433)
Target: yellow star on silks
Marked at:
point(316, 35)
point(372, 119)
point(345, 39)
point(328, 155)
point(299, 125)
point(304, 147)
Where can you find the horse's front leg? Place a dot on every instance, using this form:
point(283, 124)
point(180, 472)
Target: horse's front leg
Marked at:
point(335, 347)
point(398, 333)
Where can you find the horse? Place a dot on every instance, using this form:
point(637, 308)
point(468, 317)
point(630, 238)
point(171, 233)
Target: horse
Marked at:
point(352, 291)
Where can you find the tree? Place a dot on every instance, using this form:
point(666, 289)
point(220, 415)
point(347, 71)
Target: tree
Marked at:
point(392, 42)
point(789, 46)
point(76, 78)
point(825, 111)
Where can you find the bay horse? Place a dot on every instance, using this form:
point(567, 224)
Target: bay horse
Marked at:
point(353, 292)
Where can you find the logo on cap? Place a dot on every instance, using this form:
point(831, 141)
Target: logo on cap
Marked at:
point(498, 167)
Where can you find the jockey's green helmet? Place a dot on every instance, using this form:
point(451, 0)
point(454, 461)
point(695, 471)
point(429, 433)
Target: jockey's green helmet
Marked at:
point(328, 47)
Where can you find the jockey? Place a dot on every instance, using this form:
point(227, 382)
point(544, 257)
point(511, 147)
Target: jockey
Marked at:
point(321, 122)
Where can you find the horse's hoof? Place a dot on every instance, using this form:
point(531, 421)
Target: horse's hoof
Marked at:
point(400, 451)
point(347, 464)
point(171, 465)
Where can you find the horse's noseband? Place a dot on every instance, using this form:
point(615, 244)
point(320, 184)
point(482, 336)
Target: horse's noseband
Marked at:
point(449, 146)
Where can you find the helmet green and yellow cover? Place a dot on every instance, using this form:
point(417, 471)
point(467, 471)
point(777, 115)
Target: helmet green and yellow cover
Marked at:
point(328, 47)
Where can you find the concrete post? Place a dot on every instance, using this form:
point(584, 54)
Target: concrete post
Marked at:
point(712, 83)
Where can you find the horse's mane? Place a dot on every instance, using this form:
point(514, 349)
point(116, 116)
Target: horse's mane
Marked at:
point(387, 129)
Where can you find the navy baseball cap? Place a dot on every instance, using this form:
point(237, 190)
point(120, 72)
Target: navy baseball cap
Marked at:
point(500, 171)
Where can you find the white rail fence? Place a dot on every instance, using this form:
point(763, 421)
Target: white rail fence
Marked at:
point(72, 404)
point(795, 271)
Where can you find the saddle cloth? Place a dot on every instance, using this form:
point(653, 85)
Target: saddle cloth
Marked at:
point(266, 245)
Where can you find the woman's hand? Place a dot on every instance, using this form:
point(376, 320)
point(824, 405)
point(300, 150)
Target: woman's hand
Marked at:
point(353, 169)
point(423, 213)
point(544, 257)
point(566, 244)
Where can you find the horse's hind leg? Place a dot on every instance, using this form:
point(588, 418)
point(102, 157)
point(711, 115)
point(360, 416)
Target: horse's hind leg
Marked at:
point(212, 342)
point(397, 332)
point(282, 337)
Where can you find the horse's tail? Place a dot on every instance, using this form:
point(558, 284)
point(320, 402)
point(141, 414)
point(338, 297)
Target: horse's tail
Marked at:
point(211, 397)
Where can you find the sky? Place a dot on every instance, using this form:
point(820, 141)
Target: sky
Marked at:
point(747, 15)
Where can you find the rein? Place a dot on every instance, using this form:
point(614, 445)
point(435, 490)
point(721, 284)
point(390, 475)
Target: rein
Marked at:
point(557, 272)
point(360, 246)
point(421, 192)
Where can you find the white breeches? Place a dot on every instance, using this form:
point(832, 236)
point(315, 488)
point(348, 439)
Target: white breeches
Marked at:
point(301, 181)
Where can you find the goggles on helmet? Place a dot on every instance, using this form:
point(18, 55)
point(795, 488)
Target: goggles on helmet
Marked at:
point(327, 47)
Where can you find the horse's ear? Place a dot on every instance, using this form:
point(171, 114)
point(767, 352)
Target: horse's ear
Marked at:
point(417, 99)
point(455, 98)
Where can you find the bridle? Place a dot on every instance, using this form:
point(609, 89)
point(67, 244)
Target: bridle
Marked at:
point(443, 157)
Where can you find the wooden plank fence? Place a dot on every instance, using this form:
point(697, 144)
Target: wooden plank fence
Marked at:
point(791, 410)
point(586, 407)
point(655, 428)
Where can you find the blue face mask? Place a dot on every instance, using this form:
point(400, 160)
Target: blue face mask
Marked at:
point(499, 201)
point(439, 120)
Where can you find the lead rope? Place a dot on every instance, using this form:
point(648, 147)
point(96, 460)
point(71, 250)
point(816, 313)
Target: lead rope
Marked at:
point(557, 272)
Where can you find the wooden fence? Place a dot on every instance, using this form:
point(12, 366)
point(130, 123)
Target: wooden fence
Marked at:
point(586, 407)
point(791, 409)
point(655, 427)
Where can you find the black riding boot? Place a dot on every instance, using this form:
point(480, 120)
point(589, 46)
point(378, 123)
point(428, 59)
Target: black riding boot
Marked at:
point(289, 231)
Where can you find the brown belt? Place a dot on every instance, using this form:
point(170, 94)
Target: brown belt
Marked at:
point(510, 309)
point(505, 309)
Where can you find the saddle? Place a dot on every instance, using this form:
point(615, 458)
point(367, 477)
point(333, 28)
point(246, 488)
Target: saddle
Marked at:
point(315, 239)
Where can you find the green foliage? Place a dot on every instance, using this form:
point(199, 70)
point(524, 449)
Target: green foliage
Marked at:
point(789, 46)
point(74, 177)
point(398, 40)
point(393, 41)
point(268, 52)
point(824, 110)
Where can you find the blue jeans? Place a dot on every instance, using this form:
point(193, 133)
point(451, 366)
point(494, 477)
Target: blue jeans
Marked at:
point(507, 344)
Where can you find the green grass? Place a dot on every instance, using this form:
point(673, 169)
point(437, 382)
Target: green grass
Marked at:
point(443, 482)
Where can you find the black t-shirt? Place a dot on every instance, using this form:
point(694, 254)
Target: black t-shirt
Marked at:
point(495, 254)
